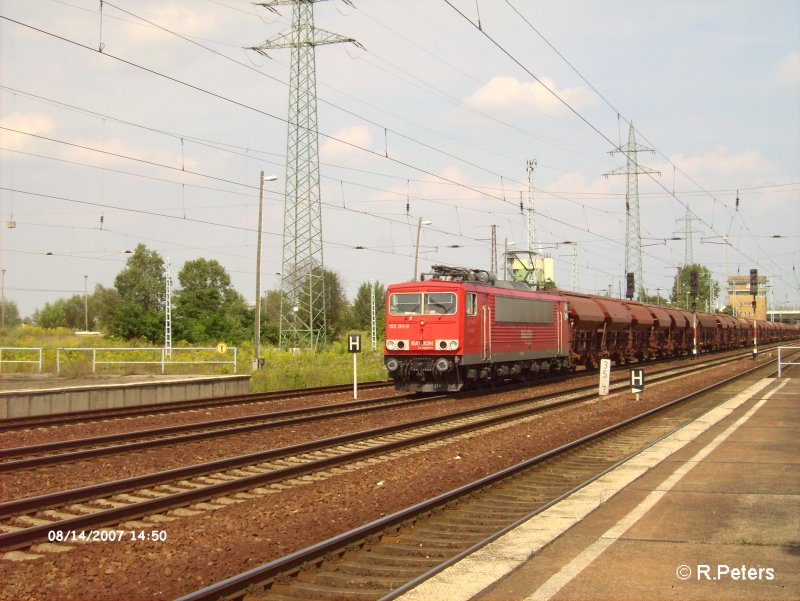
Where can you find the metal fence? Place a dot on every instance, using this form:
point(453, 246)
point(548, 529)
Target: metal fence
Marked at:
point(163, 357)
point(21, 352)
point(781, 362)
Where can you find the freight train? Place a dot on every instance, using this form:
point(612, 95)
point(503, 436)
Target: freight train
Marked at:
point(460, 327)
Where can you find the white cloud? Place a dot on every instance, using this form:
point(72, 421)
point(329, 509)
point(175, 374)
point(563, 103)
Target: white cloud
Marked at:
point(787, 74)
point(720, 161)
point(345, 142)
point(507, 93)
point(31, 123)
point(191, 22)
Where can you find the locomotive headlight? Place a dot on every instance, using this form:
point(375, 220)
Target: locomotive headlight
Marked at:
point(453, 345)
point(390, 345)
point(442, 364)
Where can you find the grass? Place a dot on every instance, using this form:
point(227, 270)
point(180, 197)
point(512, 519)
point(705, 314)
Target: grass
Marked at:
point(305, 369)
point(282, 370)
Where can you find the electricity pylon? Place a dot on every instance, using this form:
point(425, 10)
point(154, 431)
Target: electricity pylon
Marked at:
point(302, 267)
point(531, 167)
point(688, 232)
point(633, 231)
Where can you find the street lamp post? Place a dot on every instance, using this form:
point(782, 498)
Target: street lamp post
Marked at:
point(257, 328)
point(3, 300)
point(85, 303)
point(416, 254)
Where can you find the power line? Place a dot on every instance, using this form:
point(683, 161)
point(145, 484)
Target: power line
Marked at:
point(458, 184)
point(587, 122)
point(734, 215)
point(251, 108)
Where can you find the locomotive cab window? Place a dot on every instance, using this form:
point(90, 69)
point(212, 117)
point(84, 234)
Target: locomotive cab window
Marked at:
point(405, 303)
point(472, 303)
point(415, 303)
point(440, 303)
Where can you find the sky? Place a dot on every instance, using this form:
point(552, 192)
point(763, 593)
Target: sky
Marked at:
point(147, 121)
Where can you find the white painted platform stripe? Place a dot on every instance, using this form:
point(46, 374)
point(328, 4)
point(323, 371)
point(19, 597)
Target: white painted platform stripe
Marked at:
point(474, 573)
point(556, 582)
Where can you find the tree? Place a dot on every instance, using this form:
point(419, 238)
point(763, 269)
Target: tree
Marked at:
point(139, 312)
point(653, 299)
point(207, 309)
point(63, 313)
point(707, 288)
point(11, 314)
point(359, 315)
point(271, 316)
point(335, 303)
point(72, 312)
point(102, 304)
point(52, 315)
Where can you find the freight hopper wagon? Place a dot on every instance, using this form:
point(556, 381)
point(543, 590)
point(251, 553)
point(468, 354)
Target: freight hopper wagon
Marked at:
point(626, 331)
point(461, 327)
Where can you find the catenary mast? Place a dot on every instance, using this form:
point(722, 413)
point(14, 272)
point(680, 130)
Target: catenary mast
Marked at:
point(302, 321)
point(633, 232)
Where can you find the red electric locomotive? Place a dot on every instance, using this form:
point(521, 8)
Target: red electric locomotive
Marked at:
point(462, 326)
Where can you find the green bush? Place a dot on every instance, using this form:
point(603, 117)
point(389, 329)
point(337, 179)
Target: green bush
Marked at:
point(282, 369)
point(306, 368)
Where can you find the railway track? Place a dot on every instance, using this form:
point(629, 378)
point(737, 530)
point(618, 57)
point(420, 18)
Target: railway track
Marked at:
point(383, 559)
point(39, 455)
point(167, 495)
point(44, 421)
point(72, 450)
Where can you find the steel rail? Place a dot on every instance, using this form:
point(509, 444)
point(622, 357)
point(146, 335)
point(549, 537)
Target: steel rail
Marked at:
point(40, 421)
point(237, 587)
point(101, 518)
point(192, 432)
point(203, 430)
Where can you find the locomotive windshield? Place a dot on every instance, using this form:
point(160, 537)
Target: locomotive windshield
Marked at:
point(416, 303)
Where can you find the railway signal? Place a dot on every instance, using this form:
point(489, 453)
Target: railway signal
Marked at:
point(354, 347)
point(754, 292)
point(693, 282)
point(630, 285)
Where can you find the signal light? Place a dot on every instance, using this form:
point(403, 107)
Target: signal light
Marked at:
point(754, 281)
point(629, 285)
point(693, 282)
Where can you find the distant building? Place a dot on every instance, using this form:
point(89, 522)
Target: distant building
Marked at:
point(520, 268)
point(741, 300)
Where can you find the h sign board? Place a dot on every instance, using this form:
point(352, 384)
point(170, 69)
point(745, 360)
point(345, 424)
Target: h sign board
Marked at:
point(637, 380)
point(354, 343)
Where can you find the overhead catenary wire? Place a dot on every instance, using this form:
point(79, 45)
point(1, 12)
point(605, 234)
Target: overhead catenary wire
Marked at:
point(454, 183)
point(582, 118)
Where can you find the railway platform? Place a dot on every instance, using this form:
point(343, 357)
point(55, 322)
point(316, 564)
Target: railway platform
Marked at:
point(22, 397)
point(711, 511)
